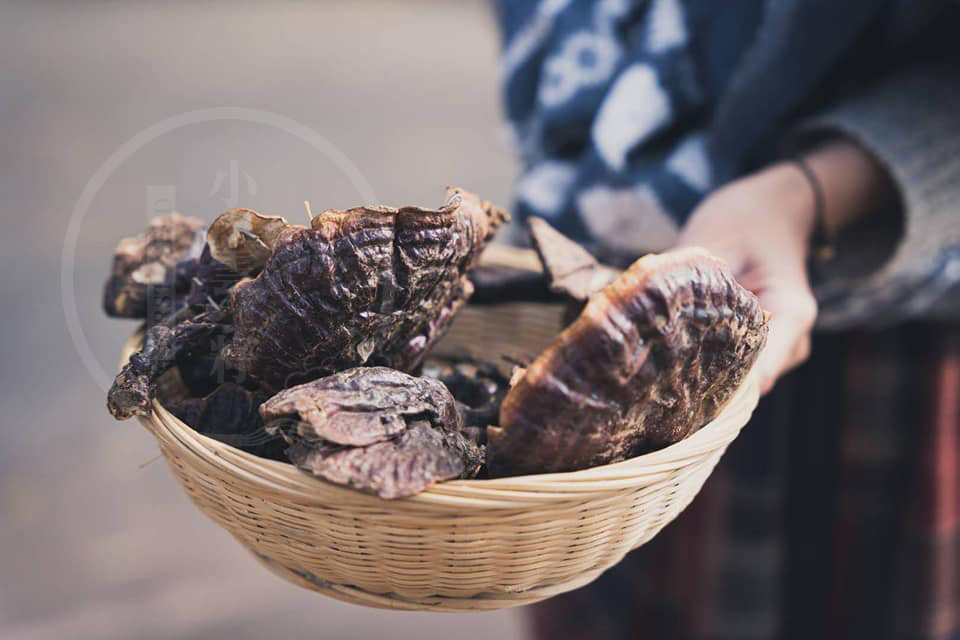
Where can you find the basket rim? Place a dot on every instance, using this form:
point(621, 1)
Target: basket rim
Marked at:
point(284, 479)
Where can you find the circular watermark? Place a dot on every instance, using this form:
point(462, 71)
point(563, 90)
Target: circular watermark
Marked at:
point(118, 157)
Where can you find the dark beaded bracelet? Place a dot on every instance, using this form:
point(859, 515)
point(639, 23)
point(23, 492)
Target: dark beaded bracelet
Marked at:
point(821, 239)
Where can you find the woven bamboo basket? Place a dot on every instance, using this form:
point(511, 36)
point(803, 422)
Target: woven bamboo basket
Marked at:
point(463, 545)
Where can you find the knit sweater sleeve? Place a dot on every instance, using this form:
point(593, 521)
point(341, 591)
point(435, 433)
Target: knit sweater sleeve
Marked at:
point(910, 123)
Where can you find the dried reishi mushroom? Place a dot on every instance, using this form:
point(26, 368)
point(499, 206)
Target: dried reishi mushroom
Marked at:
point(362, 406)
point(144, 278)
point(374, 429)
point(570, 269)
point(361, 286)
point(370, 285)
point(478, 387)
point(653, 357)
point(230, 413)
point(396, 468)
point(133, 389)
point(210, 281)
point(243, 239)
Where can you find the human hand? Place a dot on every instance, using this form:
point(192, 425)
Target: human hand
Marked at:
point(761, 225)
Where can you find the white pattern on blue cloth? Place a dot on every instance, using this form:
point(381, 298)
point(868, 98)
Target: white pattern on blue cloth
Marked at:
point(666, 28)
point(636, 107)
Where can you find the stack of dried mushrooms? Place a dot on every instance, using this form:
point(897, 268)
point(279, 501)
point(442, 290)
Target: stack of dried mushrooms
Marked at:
point(308, 344)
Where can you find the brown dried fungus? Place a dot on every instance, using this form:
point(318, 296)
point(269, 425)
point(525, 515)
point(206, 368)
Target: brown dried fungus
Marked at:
point(144, 278)
point(375, 429)
point(654, 356)
point(570, 269)
point(366, 286)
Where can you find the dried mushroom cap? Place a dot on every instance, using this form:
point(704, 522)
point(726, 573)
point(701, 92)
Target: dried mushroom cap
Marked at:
point(374, 429)
point(149, 260)
point(210, 280)
point(370, 285)
point(653, 357)
point(362, 406)
point(243, 239)
point(134, 387)
point(476, 385)
point(230, 414)
point(396, 468)
point(570, 269)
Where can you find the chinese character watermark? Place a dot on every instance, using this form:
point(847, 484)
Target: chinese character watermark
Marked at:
point(233, 186)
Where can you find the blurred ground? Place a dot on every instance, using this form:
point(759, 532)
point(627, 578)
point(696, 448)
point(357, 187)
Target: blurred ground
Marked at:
point(92, 543)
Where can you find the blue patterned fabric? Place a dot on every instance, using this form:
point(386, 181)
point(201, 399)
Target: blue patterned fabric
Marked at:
point(627, 112)
point(611, 101)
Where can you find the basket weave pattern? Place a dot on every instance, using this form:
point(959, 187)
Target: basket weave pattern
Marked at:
point(463, 545)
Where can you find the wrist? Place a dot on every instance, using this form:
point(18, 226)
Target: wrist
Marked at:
point(852, 183)
point(792, 198)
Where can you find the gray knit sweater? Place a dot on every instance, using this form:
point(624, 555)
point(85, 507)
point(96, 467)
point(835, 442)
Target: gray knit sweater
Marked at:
point(891, 269)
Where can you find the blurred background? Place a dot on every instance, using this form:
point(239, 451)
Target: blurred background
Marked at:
point(96, 539)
